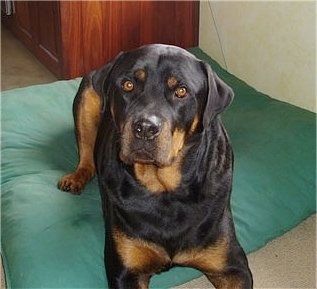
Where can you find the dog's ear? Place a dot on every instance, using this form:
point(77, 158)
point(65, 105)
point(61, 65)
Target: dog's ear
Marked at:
point(219, 96)
point(100, 76)
point(99, 79)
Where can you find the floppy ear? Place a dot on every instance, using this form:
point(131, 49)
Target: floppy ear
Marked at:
point(99, 77)
point(219, 96)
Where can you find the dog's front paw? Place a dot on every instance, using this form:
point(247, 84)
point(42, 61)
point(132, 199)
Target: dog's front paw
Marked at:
point(71, 183)
point(75, 182)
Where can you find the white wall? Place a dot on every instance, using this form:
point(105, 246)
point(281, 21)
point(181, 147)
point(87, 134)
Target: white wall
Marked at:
point(271, 45)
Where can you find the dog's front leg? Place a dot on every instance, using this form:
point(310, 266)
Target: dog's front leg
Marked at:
point(128, 280)
point(130, 262)
point(236, 273)
point(87, 107)
point(120, 277)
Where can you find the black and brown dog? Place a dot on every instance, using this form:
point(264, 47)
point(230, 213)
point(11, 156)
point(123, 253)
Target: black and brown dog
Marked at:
point(148, 124)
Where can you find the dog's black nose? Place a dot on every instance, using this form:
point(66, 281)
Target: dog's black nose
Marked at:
point(147, 128)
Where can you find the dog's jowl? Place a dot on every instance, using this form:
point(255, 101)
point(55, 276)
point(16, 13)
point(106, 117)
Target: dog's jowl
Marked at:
point(148, 124)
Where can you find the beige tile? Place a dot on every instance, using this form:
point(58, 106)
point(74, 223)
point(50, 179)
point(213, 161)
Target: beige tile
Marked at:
point(19, 68)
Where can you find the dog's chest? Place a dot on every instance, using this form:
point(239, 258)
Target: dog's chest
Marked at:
point(165, 218)
point(158, 180)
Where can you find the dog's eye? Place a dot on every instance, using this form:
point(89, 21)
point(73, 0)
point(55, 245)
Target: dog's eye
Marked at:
point(181, 92)
point(128, 86)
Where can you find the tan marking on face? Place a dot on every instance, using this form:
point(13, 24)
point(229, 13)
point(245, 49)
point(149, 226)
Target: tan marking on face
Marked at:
point(164, 145)
point(138, 255)
point(171, 82)
point(178, 139)
point(209, 259)
point(140, 74)
point(126, 140)
point(194, 124)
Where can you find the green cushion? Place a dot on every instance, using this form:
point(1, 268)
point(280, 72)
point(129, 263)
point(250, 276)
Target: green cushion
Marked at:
point(51, 239)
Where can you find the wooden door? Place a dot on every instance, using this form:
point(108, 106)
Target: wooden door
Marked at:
point(95, 31)
point(36, 24)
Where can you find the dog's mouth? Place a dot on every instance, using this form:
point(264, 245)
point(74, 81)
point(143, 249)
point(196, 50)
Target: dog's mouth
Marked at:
point(156, 152)
point(143, 156)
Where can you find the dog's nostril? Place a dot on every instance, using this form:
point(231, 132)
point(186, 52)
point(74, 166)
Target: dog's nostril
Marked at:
point(147, 129)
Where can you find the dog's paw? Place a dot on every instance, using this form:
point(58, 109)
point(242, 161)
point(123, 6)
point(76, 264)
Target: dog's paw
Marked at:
point(71, 183)
point(75, 182)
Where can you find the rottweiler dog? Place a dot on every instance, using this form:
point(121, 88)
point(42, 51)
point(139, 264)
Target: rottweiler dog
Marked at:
point(148, 124)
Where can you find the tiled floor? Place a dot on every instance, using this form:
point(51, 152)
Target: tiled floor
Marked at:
point(287, 262)
point(19, 67)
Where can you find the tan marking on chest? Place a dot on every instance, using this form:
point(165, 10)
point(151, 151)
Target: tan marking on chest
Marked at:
point(209, 259)
point(139, 255)
point(157, 179)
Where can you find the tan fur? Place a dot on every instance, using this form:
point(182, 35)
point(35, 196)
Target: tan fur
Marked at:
point(194, 124)
point(88, 117)
point(178, 139)
point(171, 82)
point(210, 259)
point(140, 74)
point(147, 258)
point(138, 255)
point(225, 281)
point(159, 179)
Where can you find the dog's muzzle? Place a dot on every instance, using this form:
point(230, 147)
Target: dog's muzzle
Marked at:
point(146, 139)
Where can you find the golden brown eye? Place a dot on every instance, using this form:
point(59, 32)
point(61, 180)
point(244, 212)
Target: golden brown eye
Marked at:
point(181, 92)
point(128, 86)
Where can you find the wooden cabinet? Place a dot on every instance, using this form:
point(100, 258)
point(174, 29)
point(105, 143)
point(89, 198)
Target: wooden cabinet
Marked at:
point(37, 25)
point(74, 37)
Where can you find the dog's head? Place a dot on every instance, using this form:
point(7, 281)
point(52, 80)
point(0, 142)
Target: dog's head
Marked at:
point(158, 96)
